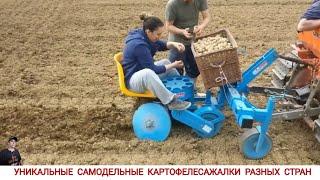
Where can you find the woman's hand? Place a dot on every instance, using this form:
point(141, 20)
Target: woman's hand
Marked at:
point(179, 46)
point(178, 64)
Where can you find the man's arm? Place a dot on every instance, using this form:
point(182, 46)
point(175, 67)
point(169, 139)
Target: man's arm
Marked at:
point(206, 19)
point(311, 18)
point(170, 16)
point(308, 25)
point(198, 29)
point(173, 29)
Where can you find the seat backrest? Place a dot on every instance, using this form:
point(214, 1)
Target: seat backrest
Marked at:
point(118, 58)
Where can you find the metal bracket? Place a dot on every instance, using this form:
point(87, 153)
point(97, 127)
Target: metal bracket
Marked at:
point(295, 114)
point(287, 93)
point(315, 87)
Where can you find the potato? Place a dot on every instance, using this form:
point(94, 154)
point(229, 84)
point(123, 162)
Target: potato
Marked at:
point(211, 44)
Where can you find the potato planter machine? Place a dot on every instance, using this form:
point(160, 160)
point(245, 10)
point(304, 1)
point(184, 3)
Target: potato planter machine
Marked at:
point(298, 99)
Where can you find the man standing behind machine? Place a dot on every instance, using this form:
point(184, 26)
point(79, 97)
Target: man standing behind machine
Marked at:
point(311, 18)
point(182, 18)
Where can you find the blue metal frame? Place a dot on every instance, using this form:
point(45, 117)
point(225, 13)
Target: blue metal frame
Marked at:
point(184, 86)
point(235, 97)
point(206, 128)
point(256, 69)
point(245, 111)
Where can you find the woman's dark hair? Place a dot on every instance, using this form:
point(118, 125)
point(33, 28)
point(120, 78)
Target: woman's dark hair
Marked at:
point(150, 22)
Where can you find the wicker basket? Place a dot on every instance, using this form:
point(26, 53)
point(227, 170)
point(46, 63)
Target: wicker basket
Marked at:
point(219, 67)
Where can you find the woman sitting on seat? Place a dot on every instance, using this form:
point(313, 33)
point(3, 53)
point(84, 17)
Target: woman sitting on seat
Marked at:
point(140, 70)
point(311, 18)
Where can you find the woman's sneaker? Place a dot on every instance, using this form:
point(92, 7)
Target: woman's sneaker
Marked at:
point(177, 104)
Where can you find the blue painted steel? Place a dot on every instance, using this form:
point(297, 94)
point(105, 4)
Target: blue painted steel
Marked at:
point(234, 96)
point(205, 120)
point(151, 121)
point(180, 85)
point(200, 120)
point(213, 115)
point(207, 101)
point(243, 109)
point(249, 144)
point(256, 69)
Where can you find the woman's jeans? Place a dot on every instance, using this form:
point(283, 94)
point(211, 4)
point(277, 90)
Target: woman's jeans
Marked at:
point(147, 79)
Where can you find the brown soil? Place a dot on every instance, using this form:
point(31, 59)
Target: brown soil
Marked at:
point(59, 91)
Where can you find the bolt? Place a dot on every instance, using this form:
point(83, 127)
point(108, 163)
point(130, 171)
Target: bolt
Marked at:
point(149, 124)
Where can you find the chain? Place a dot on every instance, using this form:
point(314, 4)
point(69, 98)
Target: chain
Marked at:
point(223, 78)
point(275, 94)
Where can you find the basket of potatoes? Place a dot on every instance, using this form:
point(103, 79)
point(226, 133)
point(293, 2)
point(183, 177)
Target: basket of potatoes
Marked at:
point(217, 59)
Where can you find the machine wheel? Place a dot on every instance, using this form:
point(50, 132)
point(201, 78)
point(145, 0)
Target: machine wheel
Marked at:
point(151, 121)
point(209, 115)
point(249, 141)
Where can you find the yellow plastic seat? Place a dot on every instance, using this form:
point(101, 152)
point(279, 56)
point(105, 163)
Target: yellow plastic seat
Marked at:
point(122, 84)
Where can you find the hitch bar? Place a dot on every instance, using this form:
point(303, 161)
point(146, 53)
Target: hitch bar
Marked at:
point(296, 60)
